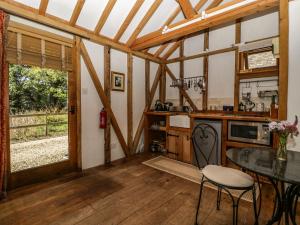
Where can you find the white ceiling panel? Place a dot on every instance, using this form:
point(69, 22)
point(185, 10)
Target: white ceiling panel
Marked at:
point(136, 20)
point(205, 6)
point(31, 3)
point(161, 15)
point(153, 50)
point(175, 54)
point(225, 1)
point(91, 12)
point(178, 18)
point(166, 49)
point(117, 17)
point(61, 9)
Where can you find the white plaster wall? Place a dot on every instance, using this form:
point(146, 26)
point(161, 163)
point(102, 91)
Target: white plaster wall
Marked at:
point(193, 68)
point(194, 45)
point(92, 137)
point(222, 66)
point(222, 37)
point(153, 70)
point(294, 67)
point(172, 93)
point(138, 81)
point(119, 102)
point(221, 71)
point(262, 26)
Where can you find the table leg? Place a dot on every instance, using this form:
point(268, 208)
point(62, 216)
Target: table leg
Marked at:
point(279, 204)
point(285, 203)
point(292, 199)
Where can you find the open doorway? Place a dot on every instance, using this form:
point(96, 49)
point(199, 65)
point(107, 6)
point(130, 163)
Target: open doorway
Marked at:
point(41, 123)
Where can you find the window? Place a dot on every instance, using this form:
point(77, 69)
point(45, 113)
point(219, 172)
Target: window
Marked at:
point(261, 60)
point(257, 60)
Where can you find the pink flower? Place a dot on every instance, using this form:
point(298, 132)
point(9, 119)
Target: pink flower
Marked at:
point(285, 127)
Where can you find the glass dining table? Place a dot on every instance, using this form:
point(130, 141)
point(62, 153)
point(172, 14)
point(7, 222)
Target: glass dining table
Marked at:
point(262, 161)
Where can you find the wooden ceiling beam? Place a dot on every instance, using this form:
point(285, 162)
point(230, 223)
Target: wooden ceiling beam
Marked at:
point(104, 16)
point(214, 4)
point(143, 22)
point(76, 12)
point(171, 50)
point(160, 50)
point(187, 8)
point(156, 38)
point(128, 19)
point(198, 6)
point(43, 7)
point(32, 14)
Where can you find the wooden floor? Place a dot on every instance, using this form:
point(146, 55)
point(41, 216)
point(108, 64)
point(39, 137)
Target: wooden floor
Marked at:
point(126, 193)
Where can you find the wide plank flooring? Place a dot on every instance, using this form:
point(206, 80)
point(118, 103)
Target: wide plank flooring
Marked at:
point(127, 193)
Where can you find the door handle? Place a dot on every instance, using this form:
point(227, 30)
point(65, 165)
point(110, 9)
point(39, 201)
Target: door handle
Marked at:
point(172, 135)
point(72, 110)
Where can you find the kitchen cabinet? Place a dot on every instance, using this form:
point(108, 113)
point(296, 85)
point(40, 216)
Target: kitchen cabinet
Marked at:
point(179, 145)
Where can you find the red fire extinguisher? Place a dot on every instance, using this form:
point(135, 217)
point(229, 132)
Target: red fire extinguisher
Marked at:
point(103, 118)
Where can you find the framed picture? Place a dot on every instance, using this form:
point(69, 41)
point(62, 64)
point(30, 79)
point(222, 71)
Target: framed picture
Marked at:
point(117, 81)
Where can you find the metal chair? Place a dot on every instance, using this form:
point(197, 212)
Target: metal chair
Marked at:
point(224, 178)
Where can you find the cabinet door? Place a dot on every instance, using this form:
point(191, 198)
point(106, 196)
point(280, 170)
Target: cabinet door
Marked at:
point(173, 144)
point(186, 148)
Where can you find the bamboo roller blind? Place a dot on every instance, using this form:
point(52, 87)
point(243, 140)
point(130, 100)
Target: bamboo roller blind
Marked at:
point(28, 50)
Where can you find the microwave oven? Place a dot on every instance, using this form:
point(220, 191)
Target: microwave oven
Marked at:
point(249, 132)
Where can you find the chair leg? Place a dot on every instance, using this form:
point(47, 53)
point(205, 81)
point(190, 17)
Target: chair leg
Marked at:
point(254, 205)
point(234, 213)
point(219, 198)
point(199, 200)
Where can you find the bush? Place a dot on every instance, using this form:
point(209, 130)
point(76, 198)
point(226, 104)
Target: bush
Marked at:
point(37, 89)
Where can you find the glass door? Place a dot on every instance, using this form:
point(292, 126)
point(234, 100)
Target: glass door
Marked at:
point(42, 124)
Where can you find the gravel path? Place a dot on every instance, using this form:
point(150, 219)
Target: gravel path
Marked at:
point(37, 153)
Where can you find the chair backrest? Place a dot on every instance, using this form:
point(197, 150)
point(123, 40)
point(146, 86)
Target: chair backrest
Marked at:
point(205, 143)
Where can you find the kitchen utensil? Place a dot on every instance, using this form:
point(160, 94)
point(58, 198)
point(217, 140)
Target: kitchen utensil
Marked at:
point(242, 107)
point(249, 106)
point(167, 105)
point(158, 106)
point(260, 107)
point(185, 108)
point(227, 108)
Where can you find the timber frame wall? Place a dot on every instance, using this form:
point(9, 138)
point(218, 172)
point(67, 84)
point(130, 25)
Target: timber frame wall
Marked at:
point(129, 147)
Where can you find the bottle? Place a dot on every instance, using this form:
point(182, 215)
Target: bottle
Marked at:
point(273, 109)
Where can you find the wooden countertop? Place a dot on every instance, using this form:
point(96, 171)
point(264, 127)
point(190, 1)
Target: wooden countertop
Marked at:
point(233, 116)
point(216, 116)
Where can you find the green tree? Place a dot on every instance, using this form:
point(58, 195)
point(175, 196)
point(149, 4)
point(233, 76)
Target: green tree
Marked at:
point(37, 89)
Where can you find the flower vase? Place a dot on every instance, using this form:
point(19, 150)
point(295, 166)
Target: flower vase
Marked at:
point(282, 149)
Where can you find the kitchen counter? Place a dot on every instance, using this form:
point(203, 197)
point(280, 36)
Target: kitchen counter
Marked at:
point(221, 116)
point(213, 115)
point(178, 134)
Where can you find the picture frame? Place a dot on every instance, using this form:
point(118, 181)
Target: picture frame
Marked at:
point(117, 81)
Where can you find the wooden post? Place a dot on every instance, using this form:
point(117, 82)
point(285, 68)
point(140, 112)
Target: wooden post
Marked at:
point(129, 104)
point(147, 82)
point(77, 72)
point(205, 71)
point(237, 66)
point(46, 124)
point(284, 58)
point(107, 132)
point(101, 94)
point(181, 73)
point(162, 84)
